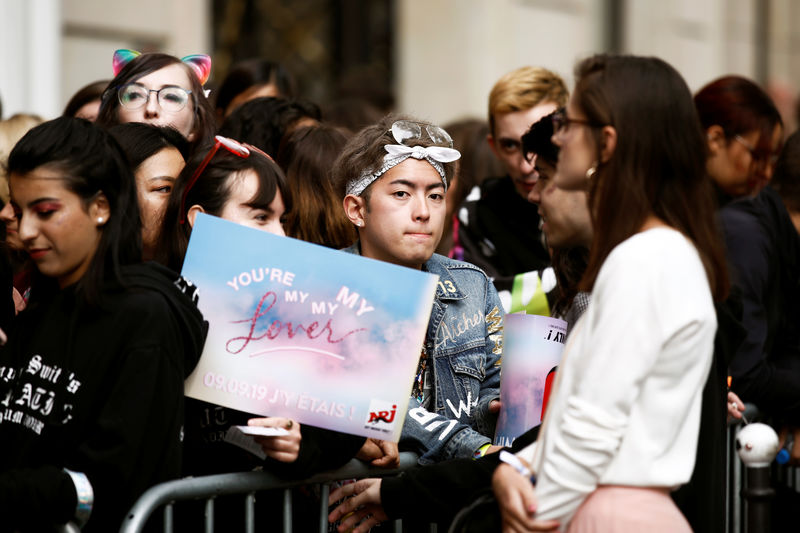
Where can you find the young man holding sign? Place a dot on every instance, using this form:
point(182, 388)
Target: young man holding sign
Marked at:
point(449, 486)
point(393, 176)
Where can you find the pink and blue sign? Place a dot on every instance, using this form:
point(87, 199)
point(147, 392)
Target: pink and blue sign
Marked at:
point(532, 347)
point(297, 330)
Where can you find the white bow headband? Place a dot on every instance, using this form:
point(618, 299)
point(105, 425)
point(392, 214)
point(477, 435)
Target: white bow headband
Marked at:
point(397, 153)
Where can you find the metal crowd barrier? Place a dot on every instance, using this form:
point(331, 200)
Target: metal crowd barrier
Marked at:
point(248, 484)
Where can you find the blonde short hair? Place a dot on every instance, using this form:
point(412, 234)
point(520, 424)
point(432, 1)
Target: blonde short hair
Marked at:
point(524, 88)
point(11, 130)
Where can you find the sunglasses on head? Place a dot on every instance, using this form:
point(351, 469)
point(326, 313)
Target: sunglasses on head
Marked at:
point(232, 146)
point(404, 130)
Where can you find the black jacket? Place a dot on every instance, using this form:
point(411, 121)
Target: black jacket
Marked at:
point(763, 250)
point(97, 390)
point(500, 233)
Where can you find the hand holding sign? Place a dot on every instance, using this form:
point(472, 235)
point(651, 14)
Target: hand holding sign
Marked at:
point(284, 447)
point(334, 346)
point(531, 352)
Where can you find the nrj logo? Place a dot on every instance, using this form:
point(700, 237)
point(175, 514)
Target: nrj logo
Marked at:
point(381, 414)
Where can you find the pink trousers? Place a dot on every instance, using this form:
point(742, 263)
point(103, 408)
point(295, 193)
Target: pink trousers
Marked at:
point(616, 509)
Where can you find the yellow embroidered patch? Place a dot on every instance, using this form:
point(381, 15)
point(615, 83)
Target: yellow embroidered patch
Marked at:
point(494, 327)
point(494, 321)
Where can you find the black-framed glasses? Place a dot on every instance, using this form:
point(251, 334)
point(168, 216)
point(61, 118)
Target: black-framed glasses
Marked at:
point(171, 99)
point(758, 156)
point(403, 130)
point(562, 122)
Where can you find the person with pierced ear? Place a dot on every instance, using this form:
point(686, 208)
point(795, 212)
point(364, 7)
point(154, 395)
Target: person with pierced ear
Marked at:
point(393, 176)
point(623, 420)
point(91, 380)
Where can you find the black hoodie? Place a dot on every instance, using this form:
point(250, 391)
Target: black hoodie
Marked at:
point(97, 390)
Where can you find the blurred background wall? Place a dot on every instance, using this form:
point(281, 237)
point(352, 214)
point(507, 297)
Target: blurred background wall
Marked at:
point(434, 58)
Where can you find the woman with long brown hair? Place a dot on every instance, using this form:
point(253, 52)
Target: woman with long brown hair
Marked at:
point(744, 134)
point(306, 156)
point(622, 424)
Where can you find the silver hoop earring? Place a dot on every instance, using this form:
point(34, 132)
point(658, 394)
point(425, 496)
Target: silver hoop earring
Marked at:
point(591, 172)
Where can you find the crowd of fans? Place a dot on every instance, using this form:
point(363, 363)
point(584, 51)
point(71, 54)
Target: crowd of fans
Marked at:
point(661, 226)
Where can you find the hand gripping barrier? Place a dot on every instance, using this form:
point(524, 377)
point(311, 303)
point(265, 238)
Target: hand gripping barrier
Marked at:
point(247, 484)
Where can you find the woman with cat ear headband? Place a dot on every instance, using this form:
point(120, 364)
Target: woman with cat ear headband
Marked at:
point(161, 90)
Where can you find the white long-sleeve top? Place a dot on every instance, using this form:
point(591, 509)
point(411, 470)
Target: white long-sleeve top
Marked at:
point(626, 407)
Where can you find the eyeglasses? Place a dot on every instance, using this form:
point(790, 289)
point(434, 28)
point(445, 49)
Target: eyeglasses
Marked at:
point(758, 156)
point(170, 99)
point(561, 122)
point(234, 147)
point(403, 130)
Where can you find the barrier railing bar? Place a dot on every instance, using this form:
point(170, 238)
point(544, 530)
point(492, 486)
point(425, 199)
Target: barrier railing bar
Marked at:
point(250, 512)
point(287, 511)
point(324, 493)
point(737, 513)
point(242, 483)
point(210, 515)
point(728, 451)
point(169, 525)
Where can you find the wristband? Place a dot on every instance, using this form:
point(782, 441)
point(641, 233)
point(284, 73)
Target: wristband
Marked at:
point(480, 452)
point(83, 489)
point(514, 462)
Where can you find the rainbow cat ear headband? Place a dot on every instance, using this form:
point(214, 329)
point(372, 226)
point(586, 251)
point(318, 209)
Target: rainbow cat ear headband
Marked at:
point(122, 58)
point(199, 63)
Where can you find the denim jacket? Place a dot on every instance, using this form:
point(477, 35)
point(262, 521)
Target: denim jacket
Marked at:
point(465, 338)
